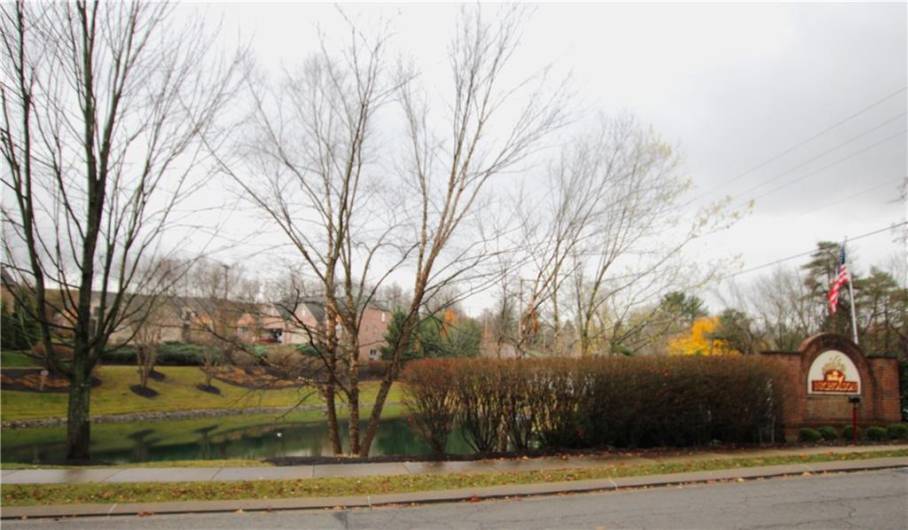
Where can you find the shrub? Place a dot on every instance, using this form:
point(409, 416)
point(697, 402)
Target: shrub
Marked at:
point(619, 401)
point(898, 431)
point(181, 354)
point(526, 391)
point(18, 331)
point(372, 369)
point(429, 394)
point(168, 353)
point(828, 433)
point(876, 433)
point(562, 389)
point(480, 399)
point(124, 355)
point(809, 435)
point(679, 401)
point(847, 432)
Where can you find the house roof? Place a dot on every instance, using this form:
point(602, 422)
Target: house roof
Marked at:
point(316, 309)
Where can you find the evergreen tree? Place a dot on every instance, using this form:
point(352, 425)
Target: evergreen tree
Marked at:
point(821, 270)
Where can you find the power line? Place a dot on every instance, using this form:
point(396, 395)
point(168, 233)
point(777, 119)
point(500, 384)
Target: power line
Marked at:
point(852, 195)
point(826, 152)
point(827, 166)
point(809, 252)
point(781, 154)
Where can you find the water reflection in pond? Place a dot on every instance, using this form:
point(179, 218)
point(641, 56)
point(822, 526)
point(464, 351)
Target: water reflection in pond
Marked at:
point(249, 437)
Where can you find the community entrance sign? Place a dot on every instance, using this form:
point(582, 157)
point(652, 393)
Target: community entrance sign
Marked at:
point(828, 377)
point(832, 372)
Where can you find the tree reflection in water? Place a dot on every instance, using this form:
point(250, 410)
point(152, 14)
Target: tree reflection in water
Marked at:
point(162, 441)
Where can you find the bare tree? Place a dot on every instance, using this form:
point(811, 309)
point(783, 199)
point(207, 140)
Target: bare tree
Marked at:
point(449, 176)
point(312, 143)
point(103, 108)
point(780, 305)
point(626, 248)
point(316, 147)
point(552, 231)
point(147, 339)
point(500, 323)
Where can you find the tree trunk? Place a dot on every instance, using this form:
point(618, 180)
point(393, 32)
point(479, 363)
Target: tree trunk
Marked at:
point(584, 340)
point(353, 399)
point(141, 360)
point(408, 329)
point(375, 418)
point(331, 413)
point(78, 424)
point(556, 324)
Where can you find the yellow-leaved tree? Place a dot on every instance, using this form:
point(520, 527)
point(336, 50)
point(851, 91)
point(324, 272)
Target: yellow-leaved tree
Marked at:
point(698, 341)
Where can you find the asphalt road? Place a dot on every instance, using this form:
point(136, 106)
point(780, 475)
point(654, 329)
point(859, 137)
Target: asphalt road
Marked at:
point(874, 500)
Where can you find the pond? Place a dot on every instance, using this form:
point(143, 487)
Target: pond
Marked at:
point(246, 437)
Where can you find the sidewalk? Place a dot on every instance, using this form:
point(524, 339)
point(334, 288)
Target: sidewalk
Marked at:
point(455, 495)
point(198, 474)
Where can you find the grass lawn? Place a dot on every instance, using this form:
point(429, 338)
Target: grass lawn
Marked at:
point(15, 359)
point(36, 494)
point(177, 391)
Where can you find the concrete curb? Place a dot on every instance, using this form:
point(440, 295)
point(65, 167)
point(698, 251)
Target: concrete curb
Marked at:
point(458, 495)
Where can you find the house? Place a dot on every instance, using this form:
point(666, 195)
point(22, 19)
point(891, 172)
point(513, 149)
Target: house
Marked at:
point(207, 320)
point(305, 322)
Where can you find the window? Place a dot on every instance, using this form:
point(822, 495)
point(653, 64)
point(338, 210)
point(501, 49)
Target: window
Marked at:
point(374, 355)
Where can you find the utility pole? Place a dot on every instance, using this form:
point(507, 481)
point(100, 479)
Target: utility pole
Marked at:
point(226, 278)
point(224, 310)
point(520, 313)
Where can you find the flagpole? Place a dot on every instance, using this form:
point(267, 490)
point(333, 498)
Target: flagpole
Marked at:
point(854, 318)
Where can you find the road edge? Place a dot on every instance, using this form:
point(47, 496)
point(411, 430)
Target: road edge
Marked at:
point(456, 495)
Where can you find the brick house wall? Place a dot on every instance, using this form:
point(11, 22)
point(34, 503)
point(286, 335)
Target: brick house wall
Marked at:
point(372, 331)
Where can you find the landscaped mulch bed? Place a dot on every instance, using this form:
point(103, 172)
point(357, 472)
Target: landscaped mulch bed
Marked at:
point(29, 380)
point(211, 389)
point(143, 391)
point(253, 378)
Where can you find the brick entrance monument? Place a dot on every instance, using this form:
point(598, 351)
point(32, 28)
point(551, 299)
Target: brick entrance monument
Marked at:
point(827, 372)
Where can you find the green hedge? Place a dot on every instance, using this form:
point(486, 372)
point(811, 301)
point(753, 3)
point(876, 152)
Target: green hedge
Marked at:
point(828, 433)
point(876, 433)
point(847, 433)
point(596, 402)
point(898, 431)
point(809, 435)
point(169, 354)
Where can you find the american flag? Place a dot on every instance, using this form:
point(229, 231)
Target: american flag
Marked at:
point(841, 279)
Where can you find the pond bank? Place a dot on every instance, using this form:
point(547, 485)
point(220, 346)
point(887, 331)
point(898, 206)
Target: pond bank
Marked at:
point(158, 416)
point(246, 437)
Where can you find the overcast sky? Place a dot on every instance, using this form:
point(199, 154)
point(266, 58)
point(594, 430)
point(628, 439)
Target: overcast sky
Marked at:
point(743, 90)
